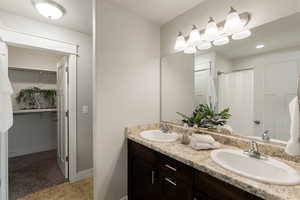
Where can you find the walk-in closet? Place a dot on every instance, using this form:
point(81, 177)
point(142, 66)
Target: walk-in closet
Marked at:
point(34, 140)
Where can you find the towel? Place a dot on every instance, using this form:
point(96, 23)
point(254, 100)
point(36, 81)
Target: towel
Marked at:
point(205, 146)
point(293, 145)
point(203, 142)
point(6, 113)
point(202, 138)
point(226, 129)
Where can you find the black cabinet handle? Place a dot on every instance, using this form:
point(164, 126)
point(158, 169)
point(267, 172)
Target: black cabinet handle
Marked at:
point(172, 182)
point(171, 168)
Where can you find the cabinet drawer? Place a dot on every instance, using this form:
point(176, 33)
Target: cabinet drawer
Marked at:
point(207, 185)
point(174, 189)
point(176, 170)
point(146, 154)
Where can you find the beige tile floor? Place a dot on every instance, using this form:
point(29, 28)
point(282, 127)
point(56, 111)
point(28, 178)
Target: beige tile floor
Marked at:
point(82, 190)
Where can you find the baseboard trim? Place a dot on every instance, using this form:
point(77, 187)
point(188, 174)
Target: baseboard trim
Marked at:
point(124, 198)
point(82, 175)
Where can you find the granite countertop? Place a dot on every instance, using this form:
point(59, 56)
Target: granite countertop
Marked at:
point(201, 161)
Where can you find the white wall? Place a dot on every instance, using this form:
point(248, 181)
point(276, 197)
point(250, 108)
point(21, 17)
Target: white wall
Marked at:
point(127, 91)
point(84, 71)
point(262, 11)
point(32, 133)
point(32, 58)
point(177, 86)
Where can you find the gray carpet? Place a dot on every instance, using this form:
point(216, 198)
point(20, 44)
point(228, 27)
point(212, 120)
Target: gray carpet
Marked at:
point(32, 173)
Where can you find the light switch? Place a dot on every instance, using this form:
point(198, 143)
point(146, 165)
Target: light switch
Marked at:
point(85, 109)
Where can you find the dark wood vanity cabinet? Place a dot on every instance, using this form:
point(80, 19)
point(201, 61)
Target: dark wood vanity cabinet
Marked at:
point(211, 188)
point(143, 180)
point(154, 176)
point(175, 179)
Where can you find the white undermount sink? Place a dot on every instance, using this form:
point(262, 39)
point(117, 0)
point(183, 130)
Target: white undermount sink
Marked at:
point(265, 170)
point(159, 136)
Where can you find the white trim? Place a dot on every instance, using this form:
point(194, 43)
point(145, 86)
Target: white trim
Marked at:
point(31, 41)
point(72, 116)
point(82, 175)
point(4, 166)
point(124, 198)
point(22, 39)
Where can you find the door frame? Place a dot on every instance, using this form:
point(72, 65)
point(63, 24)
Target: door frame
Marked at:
point(14, 38)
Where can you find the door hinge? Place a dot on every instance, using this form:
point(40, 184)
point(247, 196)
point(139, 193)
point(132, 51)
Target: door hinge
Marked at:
point(67, 158)
point(67, 114)
point(67, 69)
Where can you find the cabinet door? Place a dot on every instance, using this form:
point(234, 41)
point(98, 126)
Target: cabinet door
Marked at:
point(175, 189)
point(144, 181)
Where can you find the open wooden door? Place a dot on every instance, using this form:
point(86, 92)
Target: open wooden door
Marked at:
point(63, 116)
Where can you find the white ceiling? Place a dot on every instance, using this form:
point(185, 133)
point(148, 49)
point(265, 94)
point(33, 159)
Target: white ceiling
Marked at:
point(78, 16)
point(159, 11)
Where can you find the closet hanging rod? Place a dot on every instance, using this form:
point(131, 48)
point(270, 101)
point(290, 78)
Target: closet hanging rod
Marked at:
point(236, 70)
point(201, 70)
point(31, 69)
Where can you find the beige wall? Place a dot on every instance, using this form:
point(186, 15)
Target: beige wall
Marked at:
point(262, 11)
point(127, 91)
point(84, 71)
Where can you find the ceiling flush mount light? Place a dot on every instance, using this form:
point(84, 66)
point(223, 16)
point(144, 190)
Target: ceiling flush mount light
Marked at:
point(49, 9)
point(180, 43)
point(233, 22)
point(260, 46)
point(234, 27)
point(194, 37)
point(212, 30)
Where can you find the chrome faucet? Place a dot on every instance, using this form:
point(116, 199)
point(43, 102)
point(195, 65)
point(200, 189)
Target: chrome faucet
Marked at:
point(254, 152)
point(164, 128)
point(265, 136)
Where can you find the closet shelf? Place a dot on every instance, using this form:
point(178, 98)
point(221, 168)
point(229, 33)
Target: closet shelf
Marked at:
point(34, 111)
point(25, 68)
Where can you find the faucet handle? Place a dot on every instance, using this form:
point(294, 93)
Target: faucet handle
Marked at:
point(266, 136)
point(254, 152)
point(253, 146)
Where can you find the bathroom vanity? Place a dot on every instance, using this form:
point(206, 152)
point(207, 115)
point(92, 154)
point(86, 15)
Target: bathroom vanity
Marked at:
point(152, 175)
point(171, 170)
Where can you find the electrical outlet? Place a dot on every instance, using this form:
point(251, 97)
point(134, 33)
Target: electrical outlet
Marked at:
point(85, 109)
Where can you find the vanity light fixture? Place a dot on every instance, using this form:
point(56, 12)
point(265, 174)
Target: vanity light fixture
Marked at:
point(180, 43)
point(212, 30)
point(190, 50)
point(241, 35)
point(49, 9)
point(233, 23)
point(234, 27)
point(260, 46)
point(221, 41)
point(204, 45)
point(195, 37)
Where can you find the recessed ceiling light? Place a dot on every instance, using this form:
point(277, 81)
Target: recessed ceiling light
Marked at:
point(260, 46)
point(49, 9)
